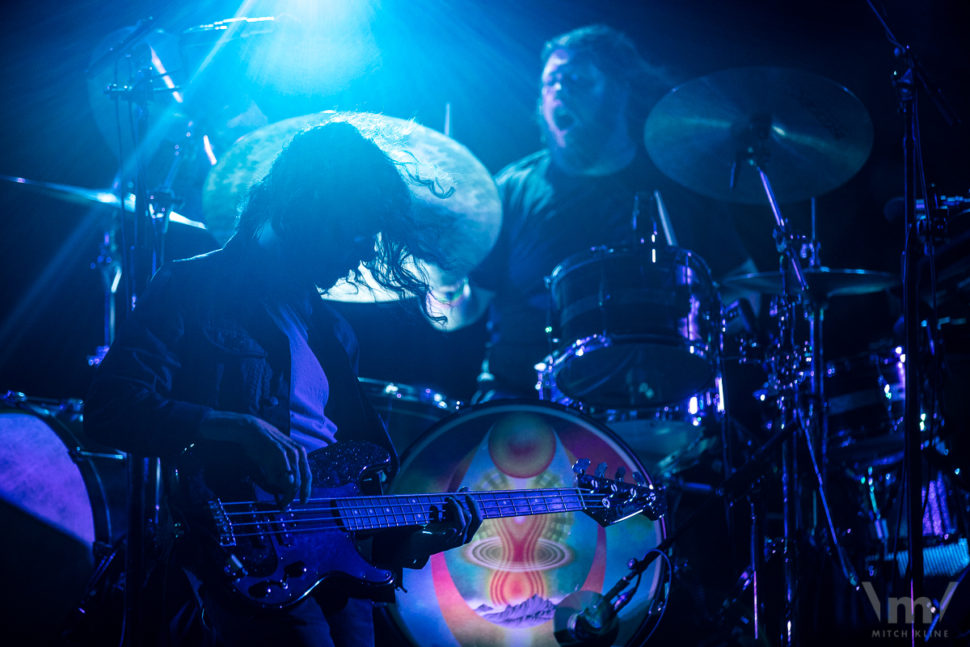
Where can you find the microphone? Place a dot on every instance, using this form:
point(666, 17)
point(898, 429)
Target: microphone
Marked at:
point(585, 618)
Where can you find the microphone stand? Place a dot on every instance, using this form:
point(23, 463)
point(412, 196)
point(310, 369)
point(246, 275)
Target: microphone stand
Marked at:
point(918, 237)
point(740, 483)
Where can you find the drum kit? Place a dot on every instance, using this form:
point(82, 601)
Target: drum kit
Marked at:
point(635, 380)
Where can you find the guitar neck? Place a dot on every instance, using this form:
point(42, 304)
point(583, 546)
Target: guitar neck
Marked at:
point(376, 512)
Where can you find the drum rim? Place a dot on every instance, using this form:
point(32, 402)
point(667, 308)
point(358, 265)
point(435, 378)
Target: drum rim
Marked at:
point(664, 575)
point(557, 360)
point(512, 402)
point(409, 392)
point(598, 252)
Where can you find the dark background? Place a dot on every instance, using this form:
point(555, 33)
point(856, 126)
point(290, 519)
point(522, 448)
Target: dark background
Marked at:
point(482, 58)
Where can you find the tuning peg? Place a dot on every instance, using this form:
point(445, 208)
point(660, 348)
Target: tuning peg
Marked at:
point(638, 478)
point(579, 467)
point(620, 473)
point(601, 470)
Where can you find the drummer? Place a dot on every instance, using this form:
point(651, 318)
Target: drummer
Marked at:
point(578, 191)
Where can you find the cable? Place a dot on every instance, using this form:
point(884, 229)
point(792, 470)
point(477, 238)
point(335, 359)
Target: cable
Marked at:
point(670, 570)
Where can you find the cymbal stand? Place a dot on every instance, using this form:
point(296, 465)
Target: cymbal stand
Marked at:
point(788, 365)
point(109, 267)
point(144, 472)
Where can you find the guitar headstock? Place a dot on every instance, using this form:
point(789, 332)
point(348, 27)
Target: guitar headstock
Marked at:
point(612, 500)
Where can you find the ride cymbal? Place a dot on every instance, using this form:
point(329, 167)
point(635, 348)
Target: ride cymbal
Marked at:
point(808, 133)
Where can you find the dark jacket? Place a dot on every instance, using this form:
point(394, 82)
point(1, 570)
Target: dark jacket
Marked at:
point(201, 338)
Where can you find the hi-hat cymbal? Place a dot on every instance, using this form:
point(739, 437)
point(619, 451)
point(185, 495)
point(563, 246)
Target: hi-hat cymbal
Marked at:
point(85, 196)
point(823, 282)
point(469, 220)
point(808, 133)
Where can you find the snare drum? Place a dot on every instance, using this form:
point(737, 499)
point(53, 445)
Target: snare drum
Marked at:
point(502, 588)
point(634, 327)
point(408, 411)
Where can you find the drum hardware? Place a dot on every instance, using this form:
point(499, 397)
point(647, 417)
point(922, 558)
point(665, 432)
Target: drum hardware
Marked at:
point(791, 366)
point(717, 135)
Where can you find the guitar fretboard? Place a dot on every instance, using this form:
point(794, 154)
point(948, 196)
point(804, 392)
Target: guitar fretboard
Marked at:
point(375, 512)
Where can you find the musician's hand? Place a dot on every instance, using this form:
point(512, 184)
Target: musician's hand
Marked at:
point(455, 525)
point(283, 468)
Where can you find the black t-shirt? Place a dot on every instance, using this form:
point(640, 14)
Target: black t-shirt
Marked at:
point(549, 216)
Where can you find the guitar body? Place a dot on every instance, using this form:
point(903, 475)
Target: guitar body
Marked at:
point(255, 551)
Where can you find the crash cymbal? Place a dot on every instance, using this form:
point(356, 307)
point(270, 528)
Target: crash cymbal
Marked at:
point(822, 282)
point(808, 133)
point(469, 220)
point(85, 196)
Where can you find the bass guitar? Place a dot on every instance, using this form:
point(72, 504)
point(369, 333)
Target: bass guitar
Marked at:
point(273, 557)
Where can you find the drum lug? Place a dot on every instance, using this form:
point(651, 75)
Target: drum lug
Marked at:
point(77, 452)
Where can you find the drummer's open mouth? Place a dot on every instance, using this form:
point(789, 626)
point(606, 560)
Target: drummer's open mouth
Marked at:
point(563, 118)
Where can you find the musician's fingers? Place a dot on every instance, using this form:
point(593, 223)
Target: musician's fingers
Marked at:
point(306, 477)
point(460, 517)
point(476, 517)
point(295, 455)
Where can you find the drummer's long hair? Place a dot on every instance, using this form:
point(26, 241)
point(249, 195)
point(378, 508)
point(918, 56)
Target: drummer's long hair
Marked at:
point(335, 163)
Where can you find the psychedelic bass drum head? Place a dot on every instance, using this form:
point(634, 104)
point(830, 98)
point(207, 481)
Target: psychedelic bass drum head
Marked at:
point(502, 588)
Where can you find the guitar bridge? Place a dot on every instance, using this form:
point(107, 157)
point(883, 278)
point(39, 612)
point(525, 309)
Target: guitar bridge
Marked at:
point(226, 536)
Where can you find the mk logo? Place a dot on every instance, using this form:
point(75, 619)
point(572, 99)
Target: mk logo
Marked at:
point(908, 605)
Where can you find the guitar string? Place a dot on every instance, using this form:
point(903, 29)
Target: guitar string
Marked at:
point(487, 513)
point(335, 525)
point(408, 508)
point(435, 497)
point(403, 504)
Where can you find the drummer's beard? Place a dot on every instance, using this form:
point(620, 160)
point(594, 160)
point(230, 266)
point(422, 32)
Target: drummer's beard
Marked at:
point(587, 143)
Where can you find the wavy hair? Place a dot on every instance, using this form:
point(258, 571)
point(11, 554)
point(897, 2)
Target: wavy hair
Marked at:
point(335, 165)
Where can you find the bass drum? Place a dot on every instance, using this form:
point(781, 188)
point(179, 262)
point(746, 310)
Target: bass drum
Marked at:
point(502, 588)
point(59, 498)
